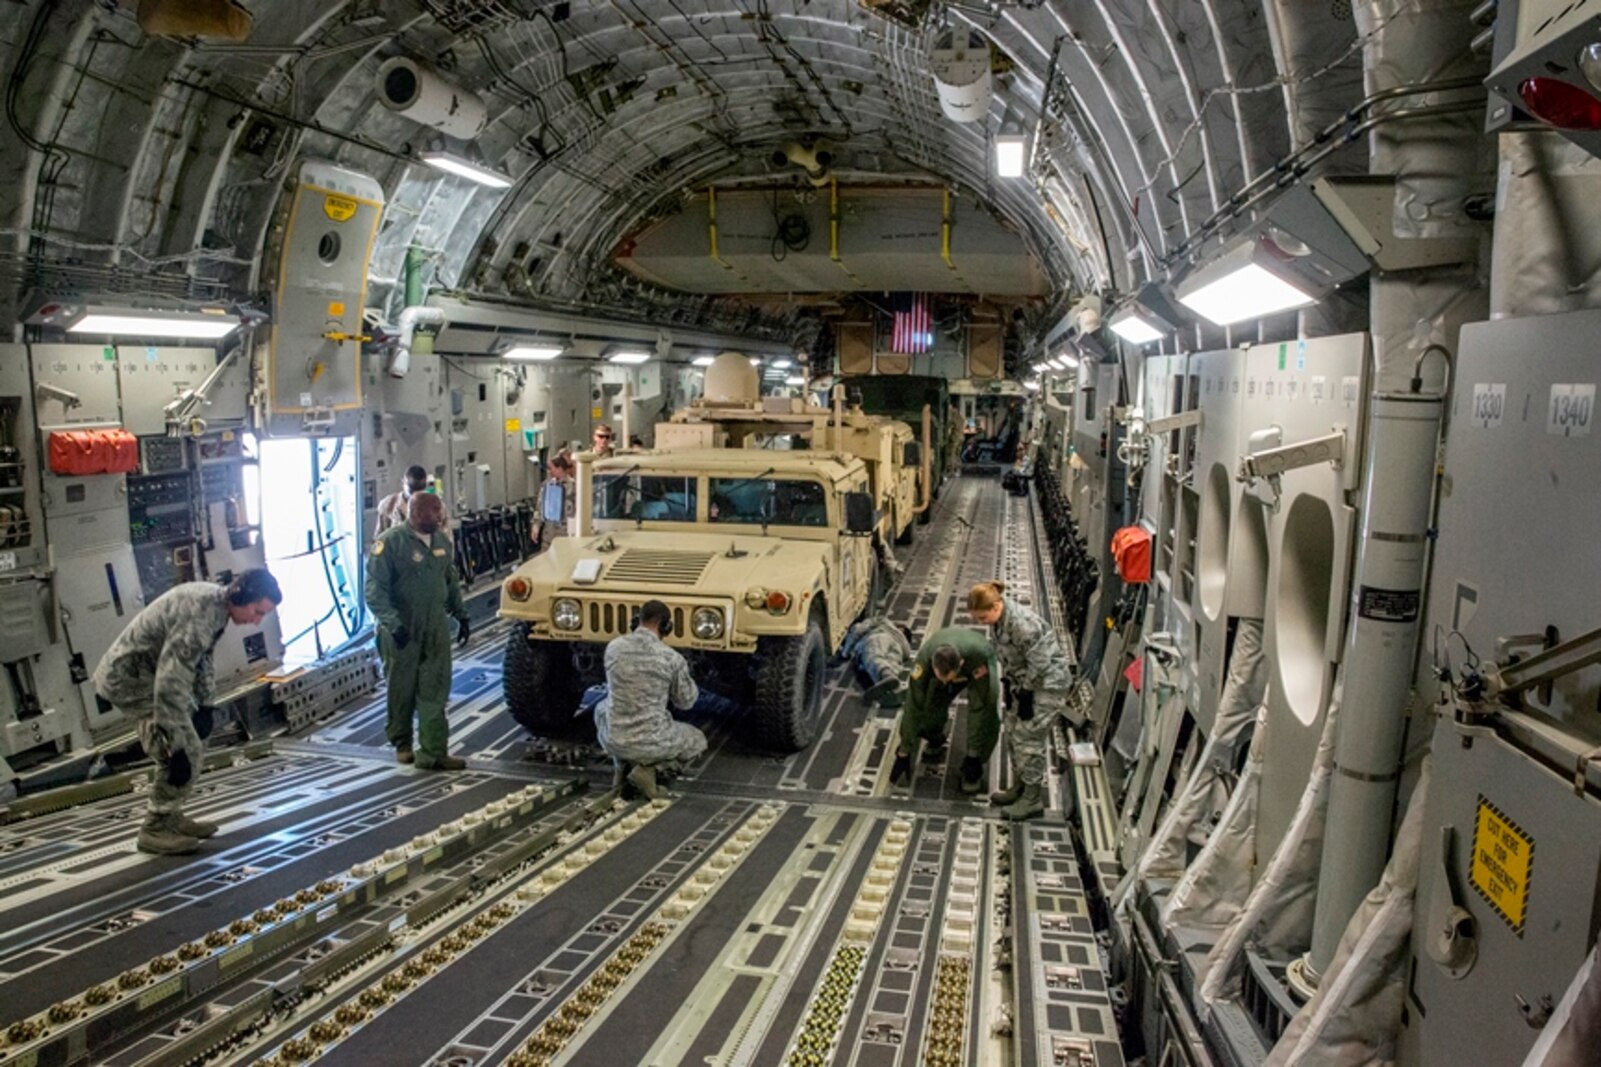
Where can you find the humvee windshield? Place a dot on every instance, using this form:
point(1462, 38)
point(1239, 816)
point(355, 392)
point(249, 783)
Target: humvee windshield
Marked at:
point(649, 497)
point(753, 501)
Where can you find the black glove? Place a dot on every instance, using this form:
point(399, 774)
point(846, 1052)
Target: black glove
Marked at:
point(205, 719)
point(1025, 705)
point(463, 631)
point(401, 637)
point(179, 770)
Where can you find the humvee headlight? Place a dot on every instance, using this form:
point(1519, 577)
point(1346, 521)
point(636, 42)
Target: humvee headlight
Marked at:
point(707, 623)
point(519, 589)
point(566, 614)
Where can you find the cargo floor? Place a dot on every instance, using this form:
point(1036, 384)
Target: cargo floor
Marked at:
point(778, 910)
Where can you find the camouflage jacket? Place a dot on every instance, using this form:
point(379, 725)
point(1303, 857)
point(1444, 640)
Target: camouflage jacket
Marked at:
point(1031, 657)
point(643, 675)
point(163, 658)
point(878, 641)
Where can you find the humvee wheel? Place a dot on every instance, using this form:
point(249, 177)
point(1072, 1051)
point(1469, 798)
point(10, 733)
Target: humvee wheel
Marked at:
point(905, 537)
point(538, 683)
point(789, 688)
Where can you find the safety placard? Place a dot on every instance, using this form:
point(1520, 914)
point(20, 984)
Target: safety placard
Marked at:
point(514, 425)
point(1503, 860)
point(338, 208)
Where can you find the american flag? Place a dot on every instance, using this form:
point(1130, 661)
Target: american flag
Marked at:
point(913, 329)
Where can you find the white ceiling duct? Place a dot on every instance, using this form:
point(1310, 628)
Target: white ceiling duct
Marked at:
point(407, 87)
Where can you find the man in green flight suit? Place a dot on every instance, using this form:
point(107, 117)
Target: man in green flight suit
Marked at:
point(951, 660)
point(411, 588)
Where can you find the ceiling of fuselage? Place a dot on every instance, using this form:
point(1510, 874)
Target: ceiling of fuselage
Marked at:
point(157, 157)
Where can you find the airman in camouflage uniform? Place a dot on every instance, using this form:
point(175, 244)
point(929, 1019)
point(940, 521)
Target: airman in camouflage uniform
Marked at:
point(643, 674)
point(951, 660)
point(884, 653)
point(158, 673)
point(1038, 678)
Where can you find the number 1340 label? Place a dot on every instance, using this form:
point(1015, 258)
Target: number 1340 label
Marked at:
point(1570, 410)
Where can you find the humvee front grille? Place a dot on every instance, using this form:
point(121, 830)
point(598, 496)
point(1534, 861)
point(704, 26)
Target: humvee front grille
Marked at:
point(613, 618)
point(665, 567)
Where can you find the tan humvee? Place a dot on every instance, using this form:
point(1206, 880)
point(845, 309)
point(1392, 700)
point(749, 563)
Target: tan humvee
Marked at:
point(732, 414)
point(764, 557)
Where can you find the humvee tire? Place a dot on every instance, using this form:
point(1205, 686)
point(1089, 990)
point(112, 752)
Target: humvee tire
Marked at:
point(789, 688)
point(906, 536)
point(538, 684)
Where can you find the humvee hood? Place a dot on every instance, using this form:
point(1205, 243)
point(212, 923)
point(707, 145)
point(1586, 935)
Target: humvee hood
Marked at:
point(710, 564)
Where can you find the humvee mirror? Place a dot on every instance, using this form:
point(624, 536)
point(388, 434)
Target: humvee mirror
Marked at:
point(911, 454)
point(859, 513)
point(553, 502)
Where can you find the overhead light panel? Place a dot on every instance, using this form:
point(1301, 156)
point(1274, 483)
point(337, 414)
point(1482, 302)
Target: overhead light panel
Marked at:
point(631, 357)
point(783, 364)
point(531, 353)
point(466, 168)
point(1133, 326)
point(755, 361)
point(1011, 147)
point(1240, 285)
point(703, 361)
point(1032, 385)
point(137, 322)
point(795, 379)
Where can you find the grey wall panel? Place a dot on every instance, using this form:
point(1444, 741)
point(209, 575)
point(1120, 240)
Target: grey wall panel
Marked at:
point(90, 372)
point(151, 377)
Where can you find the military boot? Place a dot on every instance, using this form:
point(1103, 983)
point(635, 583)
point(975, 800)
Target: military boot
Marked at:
point(1029, 804)
point(160, 836)
point(192, 827)
point(880, 689)
point(935, 750)
point(900, 773)
point(1008, 795)
point(972, 776)
point(643, 778)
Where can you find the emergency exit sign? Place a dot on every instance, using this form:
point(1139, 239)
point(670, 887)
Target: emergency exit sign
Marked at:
point(1503, 860)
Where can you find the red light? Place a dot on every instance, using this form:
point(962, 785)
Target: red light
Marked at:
point(777, 601)
point(1561, 104)
point(519, 589)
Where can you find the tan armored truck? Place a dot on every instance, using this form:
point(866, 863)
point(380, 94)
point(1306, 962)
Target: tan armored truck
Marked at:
point(764, 557)
point(732, 413)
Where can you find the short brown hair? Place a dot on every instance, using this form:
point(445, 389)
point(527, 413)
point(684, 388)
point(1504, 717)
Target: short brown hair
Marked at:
point(985, 595)
point(947, 660)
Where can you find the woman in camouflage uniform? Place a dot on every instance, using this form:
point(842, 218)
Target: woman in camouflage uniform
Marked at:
point(1037, 677)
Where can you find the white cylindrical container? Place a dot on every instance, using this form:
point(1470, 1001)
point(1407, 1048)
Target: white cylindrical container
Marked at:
point(960, 63)
point(415, 91)
point(1380, 647)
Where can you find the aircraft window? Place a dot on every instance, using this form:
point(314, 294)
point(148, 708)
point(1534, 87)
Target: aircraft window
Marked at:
point(751, 501)
point(648, 498)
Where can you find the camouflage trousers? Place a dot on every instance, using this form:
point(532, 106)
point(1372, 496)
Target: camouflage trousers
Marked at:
point(1027, 741)
point(160, 742)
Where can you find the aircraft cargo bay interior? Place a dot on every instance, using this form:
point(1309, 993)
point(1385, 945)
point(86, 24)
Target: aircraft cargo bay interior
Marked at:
point(1001, 533)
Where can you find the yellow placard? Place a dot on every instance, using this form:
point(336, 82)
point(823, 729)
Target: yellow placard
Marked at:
point(514, 425)
point(1503, 860)
point(338, 208)
point(595, 413)
point(336, 310)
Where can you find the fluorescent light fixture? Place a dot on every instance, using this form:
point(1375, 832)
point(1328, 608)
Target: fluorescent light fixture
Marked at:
point(136, 322)
point(1133, 326)
point(534, 353)
point(783, 364)
point(1011, 150)
point(1032, 385)
point(703, 361)
point(466, 168)
point(1065, 362)
point(1242, 283)
point(795, 379)
point(755, 361)
point(630, 357)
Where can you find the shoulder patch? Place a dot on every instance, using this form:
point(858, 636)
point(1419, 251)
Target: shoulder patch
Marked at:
point(377, 548)
point(917, 671)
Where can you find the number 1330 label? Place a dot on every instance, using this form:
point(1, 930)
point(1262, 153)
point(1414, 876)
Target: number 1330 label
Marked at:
point(1489, 403)
point(1570, 410)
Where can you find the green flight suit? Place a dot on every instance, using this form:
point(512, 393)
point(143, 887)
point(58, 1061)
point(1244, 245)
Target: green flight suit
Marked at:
point(412, 586)
point(928, 700)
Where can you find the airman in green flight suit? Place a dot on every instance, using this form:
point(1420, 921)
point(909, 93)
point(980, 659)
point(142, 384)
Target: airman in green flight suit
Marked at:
point(411, 588)
point(951, 660)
